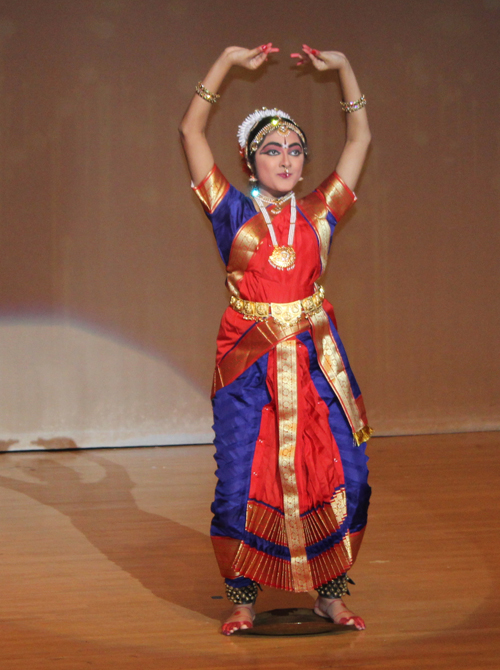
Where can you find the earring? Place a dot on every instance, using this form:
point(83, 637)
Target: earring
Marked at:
point(301, 178)
point(254, 186)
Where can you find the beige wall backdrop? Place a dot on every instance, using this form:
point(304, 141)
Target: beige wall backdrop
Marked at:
point(111, 288)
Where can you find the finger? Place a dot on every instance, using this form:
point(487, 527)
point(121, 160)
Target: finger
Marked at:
point(264, 49)
point(268, 48)
point(309, 50)
point(302, 59)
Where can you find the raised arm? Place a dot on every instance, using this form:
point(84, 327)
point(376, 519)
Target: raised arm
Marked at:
point(358, 135)
point(192, 128)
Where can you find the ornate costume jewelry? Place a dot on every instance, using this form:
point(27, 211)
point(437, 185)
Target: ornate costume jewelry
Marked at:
point(350, 107)
point(282, 313)
point(336, 588)
point(245, 595)
point(253, 119)
point(281, 258)
point(279, 121)
point(276, 202)
point(281, 126)
point(204, 93)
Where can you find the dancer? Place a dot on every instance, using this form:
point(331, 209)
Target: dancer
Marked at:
point(290, 427)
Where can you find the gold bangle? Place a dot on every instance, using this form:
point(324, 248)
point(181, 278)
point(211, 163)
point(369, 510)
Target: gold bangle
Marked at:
point(350, 107)
point(206, 95)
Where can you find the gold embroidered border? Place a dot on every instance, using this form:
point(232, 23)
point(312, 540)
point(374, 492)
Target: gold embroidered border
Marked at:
point(256, 342)
point(212, 189)
point(277, 573)
point(318, 524)
point(286, 362)
point(266, 523)
point(314, 209)
point(339, 505)
point(263, 568)
point(331, 563)
point(331, 363)
point(246, 242)
point(331, 195)
point(338, 196)
point(269, 524)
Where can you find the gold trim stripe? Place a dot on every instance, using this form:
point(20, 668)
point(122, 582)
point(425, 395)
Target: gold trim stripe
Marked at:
point(266, 523)
point(256, 342)
point(275, 572)
point(314, 208)
point(263, 568)
point(246, 242)
point(331, 363)
point(286, 362)
point(318, 524)
point(331, 563)
point(338, 196)
point(212, 189)
point(331, 195)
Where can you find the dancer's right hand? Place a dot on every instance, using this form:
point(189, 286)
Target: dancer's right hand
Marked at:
point(250, 59)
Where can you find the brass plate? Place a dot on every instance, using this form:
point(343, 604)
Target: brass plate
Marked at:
point(293, 621)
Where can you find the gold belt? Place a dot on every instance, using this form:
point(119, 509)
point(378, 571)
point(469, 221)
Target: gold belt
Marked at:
point(283, 313)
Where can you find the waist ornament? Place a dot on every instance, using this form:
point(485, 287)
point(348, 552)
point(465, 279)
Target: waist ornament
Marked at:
point(282, 313)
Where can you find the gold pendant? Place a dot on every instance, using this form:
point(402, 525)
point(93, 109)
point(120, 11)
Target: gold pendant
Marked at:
point(283, 258)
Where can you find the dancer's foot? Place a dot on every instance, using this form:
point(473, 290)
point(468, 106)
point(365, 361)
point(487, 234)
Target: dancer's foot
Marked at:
point(240, 618)
point(334, 609)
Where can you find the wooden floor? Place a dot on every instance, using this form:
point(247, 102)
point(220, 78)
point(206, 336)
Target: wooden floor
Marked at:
point(106, 563)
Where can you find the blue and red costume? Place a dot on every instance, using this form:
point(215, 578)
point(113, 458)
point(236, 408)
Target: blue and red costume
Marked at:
point(291, 501)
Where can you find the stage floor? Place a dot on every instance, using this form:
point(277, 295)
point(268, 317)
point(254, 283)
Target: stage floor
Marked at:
point(107, 563)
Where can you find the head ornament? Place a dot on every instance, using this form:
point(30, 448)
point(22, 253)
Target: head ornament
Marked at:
point(253, 119)
point(248, 137)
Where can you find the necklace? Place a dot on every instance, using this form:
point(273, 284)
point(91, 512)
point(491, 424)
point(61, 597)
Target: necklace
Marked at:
point(281, 258)
point(276, 202)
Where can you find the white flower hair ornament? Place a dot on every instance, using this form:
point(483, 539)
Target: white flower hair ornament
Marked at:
point(253, 119)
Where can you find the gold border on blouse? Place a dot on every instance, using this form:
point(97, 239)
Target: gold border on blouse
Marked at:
point(245, 244)
point(338, 196)
point(212, 189)
point(334, 196)
point(314, 208)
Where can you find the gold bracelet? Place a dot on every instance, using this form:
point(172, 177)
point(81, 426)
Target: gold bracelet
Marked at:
point(350, 107)
point(206, 95)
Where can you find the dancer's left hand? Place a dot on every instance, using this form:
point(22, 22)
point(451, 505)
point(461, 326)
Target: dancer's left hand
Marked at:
point(321, 60)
